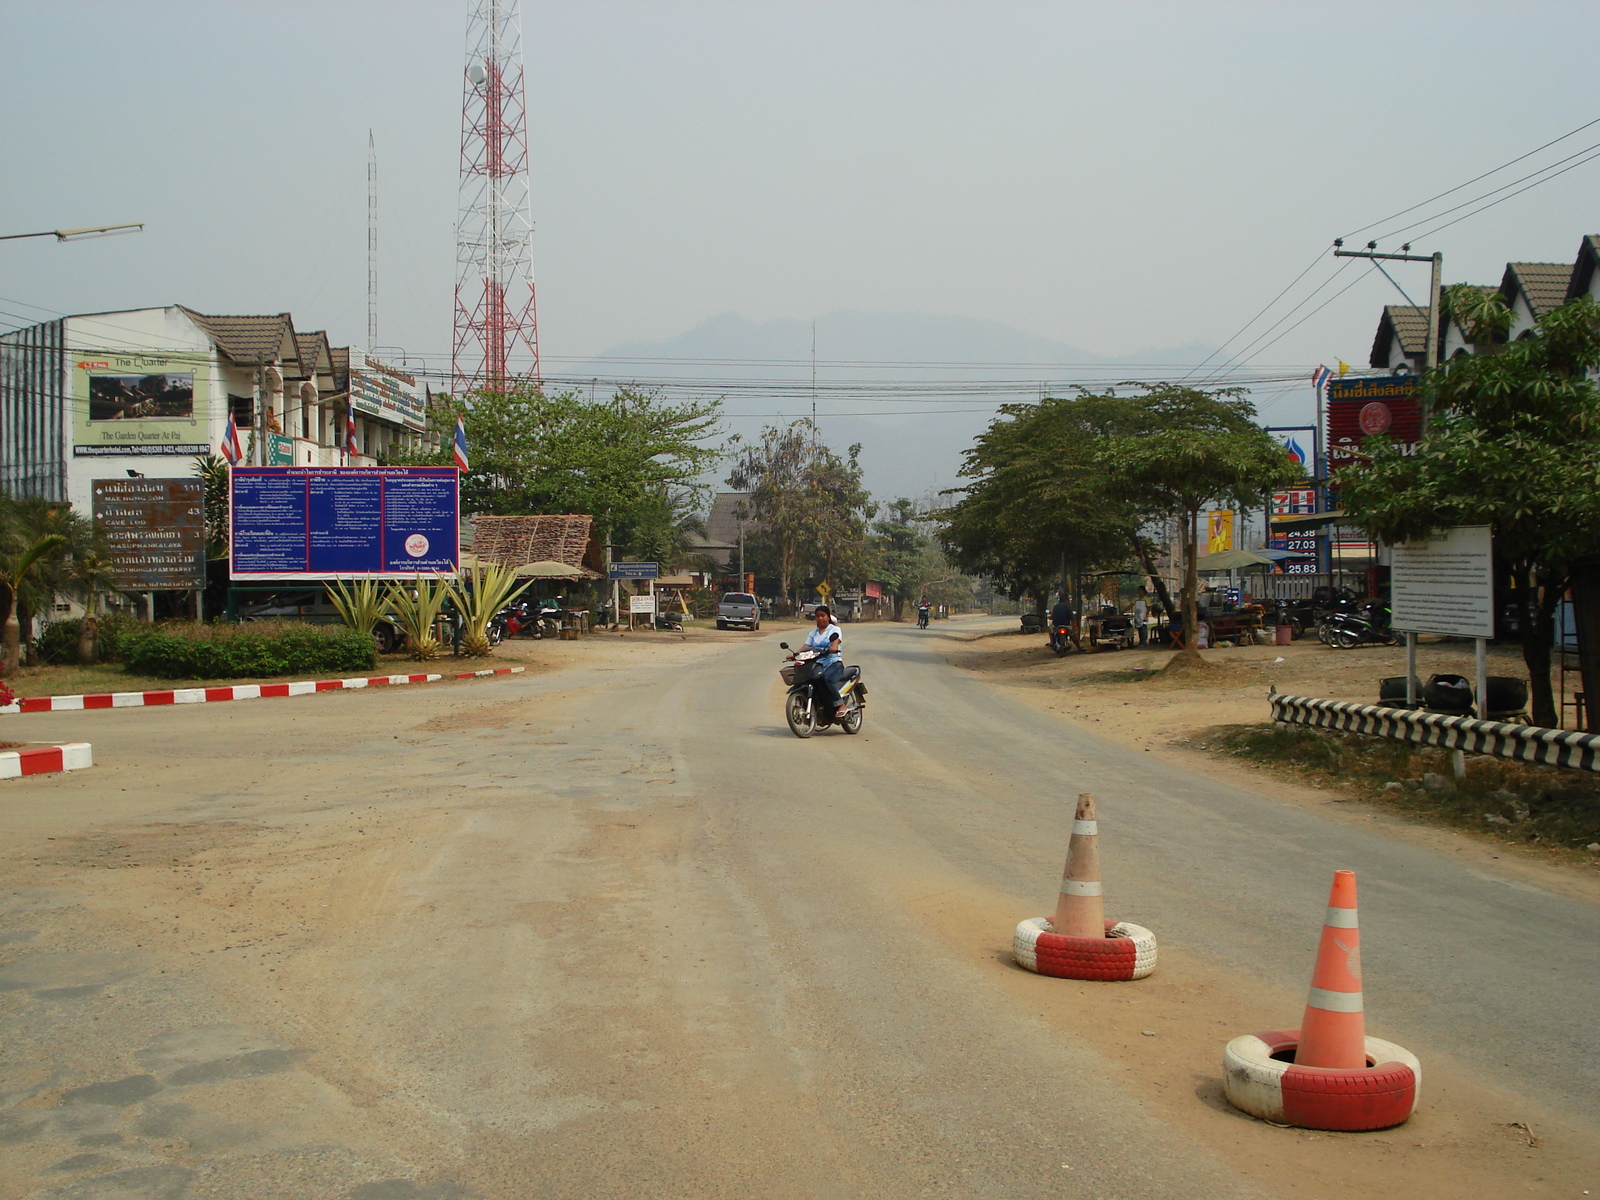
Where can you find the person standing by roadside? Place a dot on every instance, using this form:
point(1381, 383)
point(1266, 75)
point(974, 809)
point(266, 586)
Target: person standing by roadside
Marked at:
point(1141, 616)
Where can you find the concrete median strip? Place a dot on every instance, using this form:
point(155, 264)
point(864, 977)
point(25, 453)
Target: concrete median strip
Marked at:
point(46, 760)
point(247, 691)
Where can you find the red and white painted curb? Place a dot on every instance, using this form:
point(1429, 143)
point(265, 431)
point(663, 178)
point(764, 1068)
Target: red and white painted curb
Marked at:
point(244, 691)
point(1260, 1077)
point(46, 760)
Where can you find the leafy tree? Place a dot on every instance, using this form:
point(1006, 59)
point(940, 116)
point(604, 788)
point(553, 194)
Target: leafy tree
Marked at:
point(560, 452)
point(212, 470)
point(1482, 314)
point(903, 560)
point(1196, 448)
point(810, 504)
point(1513, 442)
point(38, 542)
point(1041, 500)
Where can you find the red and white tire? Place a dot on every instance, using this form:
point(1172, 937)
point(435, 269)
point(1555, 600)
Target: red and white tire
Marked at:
point(1127, 951)
point(1377, 1096)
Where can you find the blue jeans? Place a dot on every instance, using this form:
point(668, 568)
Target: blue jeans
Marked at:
point(832, 674)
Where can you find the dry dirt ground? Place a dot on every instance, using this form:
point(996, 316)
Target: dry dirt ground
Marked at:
point(607, 929)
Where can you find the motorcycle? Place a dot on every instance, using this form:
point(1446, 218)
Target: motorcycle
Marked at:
point(1061, 639)
point(922, 618)
point(806, 707)
point(1367, 627)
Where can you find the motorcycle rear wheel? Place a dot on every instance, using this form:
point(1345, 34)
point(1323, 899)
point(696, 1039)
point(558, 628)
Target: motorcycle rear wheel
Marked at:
point(852, 719)
point(801, 716)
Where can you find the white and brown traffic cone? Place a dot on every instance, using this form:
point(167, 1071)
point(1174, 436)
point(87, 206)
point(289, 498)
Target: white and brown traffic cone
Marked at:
point(1080, 943)
point(1080, 908)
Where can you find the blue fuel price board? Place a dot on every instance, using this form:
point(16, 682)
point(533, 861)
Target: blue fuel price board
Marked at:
point(339, 522)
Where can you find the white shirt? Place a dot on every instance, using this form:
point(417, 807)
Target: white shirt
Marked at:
point(818, 639)
point(1141, 610)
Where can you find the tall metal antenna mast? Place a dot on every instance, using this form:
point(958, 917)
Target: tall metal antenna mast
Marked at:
point(496, 329)
point(372, 243)
point(813, 381)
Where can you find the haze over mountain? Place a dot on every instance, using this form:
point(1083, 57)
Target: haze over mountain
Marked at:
point(912, 388)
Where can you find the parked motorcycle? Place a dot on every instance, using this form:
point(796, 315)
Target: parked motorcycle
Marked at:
point(1368, 626)
point(806, 708)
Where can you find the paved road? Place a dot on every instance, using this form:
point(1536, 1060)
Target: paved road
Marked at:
point(613, 931)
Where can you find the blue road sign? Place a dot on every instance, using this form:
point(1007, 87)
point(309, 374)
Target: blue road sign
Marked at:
point(333, 522)
point(635, 570)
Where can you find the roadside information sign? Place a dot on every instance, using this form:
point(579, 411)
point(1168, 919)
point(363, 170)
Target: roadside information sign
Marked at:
point(1444, 583)
point(155, 530)
point(342, 522)
point(635, 570)
point(641, 604)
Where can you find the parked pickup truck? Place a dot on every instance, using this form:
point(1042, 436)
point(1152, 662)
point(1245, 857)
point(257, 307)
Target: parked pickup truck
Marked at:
point(738, 609)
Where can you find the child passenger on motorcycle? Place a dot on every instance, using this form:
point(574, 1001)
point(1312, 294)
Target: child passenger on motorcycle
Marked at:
point(827, 638)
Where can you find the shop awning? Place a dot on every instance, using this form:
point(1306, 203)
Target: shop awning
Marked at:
point(1301, 524)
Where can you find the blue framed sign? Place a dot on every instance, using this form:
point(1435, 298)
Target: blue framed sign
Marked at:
point(338, 522)
point(635, 570)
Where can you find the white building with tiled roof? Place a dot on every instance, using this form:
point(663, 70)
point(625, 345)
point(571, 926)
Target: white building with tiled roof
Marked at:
point(144, 391)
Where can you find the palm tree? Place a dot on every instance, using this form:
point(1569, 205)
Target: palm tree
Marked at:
point(90, 574)
point(60, 535)
point(17, 564)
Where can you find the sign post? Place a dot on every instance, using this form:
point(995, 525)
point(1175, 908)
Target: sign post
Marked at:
point(1445, 584)
point(156, 535)
point(633, 570)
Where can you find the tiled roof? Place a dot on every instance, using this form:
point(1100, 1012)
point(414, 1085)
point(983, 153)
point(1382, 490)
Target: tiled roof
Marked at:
point(248, 341)
point(313, 351)
point(512, 541)
point(1408, 323)
point(1583, 270)
point(1543, 285)
point(341, 367)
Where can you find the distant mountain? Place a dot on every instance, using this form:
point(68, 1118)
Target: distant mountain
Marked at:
point(913, 388)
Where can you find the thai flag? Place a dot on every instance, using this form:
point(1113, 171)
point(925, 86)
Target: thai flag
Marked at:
point(231, 449)
point(1319, 378)
point(460, 447)
point(351, 447)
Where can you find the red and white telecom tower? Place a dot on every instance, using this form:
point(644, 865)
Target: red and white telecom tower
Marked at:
point(497, 333)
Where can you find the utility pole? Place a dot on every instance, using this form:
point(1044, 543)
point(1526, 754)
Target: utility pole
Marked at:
point(1431, 356)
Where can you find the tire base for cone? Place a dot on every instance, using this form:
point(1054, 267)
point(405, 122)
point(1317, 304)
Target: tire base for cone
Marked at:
point(1126, 952)
point(1260, 1078)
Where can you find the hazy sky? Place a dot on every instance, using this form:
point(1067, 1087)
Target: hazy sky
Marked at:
point(1113, 176)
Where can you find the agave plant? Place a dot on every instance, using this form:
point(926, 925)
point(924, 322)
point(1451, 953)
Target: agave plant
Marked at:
point(481, 592)
point(416, 607)
point(361, 603)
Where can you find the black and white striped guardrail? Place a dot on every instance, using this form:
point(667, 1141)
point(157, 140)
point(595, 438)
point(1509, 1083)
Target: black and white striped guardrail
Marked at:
point(1526, 743)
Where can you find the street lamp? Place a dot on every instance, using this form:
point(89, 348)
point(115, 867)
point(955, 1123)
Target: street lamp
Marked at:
point(77, 235)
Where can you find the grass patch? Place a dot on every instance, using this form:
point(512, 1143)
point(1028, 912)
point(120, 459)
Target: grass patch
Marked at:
point(1523, 802)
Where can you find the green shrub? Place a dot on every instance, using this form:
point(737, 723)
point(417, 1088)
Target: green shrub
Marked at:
point(184, 650)
point(58, 643)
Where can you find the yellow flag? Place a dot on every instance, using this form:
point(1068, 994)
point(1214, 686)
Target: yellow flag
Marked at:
point(1343, 366)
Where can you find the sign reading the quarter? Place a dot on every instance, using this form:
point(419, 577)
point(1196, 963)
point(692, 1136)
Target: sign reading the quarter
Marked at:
point(1361, 408)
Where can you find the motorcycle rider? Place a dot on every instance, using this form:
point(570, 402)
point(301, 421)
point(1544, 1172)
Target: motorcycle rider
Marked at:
point(922, 614)
point(827, 638)
point(1061, 617)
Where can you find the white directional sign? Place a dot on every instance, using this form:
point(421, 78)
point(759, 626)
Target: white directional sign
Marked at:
point(641, 604)
point(1444, 583)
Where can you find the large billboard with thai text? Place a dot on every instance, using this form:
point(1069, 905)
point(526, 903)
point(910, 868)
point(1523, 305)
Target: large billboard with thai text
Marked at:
point(1364, 407)
point(380, 390)
point(344, 522)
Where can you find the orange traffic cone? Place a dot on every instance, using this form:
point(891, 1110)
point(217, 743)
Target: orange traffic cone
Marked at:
point(1333, 1032)
point(1080, 909)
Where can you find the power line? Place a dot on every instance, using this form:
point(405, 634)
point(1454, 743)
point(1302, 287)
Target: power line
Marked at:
point(1503, 199)
point(1513, 162)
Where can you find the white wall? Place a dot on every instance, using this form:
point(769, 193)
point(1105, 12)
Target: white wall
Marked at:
point(148, 330)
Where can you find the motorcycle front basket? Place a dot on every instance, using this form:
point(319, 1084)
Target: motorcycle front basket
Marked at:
point(787, 672)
